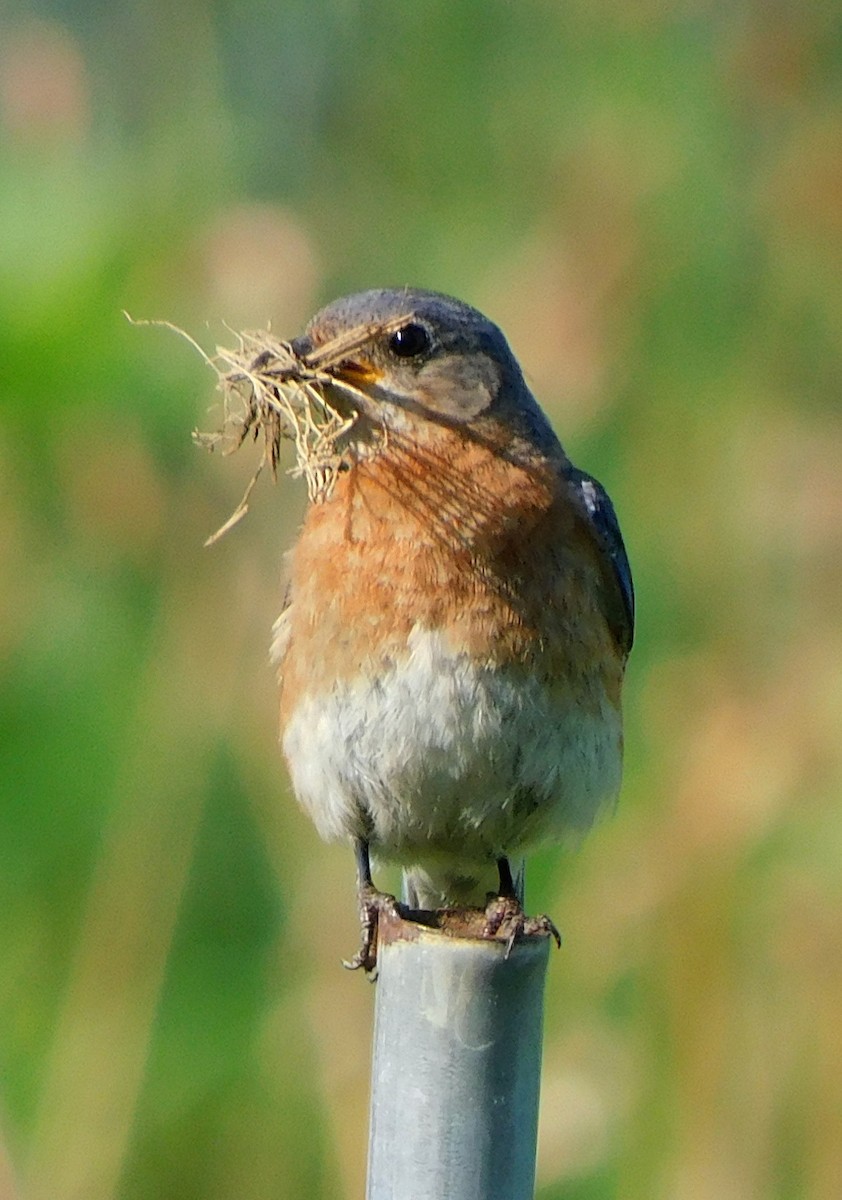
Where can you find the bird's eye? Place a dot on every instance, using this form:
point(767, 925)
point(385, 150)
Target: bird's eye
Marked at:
point(410, 340)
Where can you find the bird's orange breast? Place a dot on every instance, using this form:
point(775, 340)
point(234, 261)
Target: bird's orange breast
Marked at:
point(447, 534)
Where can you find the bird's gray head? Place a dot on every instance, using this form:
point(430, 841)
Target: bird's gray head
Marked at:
point(423, 353)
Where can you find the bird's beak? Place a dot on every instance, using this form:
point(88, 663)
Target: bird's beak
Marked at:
point(355, 379)
point(343, 360)
point(357, 371)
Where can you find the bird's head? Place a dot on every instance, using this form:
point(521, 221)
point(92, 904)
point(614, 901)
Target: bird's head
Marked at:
point(403, 356)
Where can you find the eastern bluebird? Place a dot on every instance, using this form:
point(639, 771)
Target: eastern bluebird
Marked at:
point(459, 614)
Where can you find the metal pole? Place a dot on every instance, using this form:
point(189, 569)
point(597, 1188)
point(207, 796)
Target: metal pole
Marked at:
point(456, 1065)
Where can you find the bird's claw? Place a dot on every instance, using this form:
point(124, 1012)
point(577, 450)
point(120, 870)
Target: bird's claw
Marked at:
point(506, 921)
point(372, 903)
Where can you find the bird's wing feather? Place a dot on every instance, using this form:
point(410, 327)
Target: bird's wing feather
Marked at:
point(594, 502)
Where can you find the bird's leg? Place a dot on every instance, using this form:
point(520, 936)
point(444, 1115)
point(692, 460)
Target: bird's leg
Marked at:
point(372, 903)
point(504, 915)
point(363, 859)
point(507, 883)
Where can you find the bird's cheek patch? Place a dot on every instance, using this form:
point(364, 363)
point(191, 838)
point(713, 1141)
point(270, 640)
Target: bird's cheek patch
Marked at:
point(458, 387)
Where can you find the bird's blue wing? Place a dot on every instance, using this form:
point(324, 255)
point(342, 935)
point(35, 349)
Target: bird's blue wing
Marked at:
point(596, 504)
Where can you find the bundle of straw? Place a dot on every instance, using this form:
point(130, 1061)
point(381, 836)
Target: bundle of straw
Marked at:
point(272, 392)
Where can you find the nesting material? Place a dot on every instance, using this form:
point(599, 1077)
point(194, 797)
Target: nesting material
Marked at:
point(272, 394)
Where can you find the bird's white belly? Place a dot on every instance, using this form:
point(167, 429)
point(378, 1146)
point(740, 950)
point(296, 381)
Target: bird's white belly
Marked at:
point(440, 757)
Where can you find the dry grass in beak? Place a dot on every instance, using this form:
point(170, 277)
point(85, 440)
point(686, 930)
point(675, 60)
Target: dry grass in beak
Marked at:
point(273, 394)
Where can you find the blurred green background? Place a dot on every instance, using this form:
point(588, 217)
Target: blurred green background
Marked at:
point(648, 198)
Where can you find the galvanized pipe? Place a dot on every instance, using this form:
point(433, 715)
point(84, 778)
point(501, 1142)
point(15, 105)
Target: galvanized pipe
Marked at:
point(456, 1065)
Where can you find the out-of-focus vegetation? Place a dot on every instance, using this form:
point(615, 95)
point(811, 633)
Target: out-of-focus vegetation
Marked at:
point(648, 198)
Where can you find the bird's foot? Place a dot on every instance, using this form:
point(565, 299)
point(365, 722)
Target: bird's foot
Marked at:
point(506, 921)
point(372, 903)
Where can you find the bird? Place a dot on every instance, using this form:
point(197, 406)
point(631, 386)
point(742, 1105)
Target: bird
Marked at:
point(458, 617)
